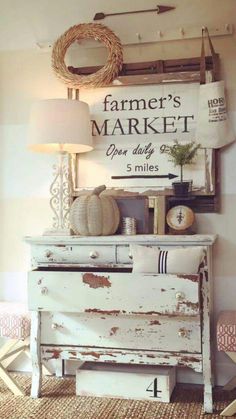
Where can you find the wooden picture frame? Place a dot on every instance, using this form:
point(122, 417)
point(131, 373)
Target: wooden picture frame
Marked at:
point(139, 75)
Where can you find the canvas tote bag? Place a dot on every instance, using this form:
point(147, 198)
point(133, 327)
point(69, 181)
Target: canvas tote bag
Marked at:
point(213, 126)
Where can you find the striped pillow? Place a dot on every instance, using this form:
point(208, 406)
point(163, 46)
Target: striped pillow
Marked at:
point(175, 261)
point(162, 261)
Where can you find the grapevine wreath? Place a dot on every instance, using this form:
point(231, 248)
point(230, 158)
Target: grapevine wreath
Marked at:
point(101, 77)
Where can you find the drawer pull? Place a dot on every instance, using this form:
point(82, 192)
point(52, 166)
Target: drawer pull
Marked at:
point(179, 296)
point(130, 256)
point(44, 290)
point(183, 333)
point(55, 326)
point(48, 253)
point(93, 255)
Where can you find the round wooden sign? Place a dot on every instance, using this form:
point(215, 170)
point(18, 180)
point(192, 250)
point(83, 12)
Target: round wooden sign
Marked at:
point(180, 217)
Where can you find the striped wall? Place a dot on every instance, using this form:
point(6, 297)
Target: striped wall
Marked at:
point(26, 76)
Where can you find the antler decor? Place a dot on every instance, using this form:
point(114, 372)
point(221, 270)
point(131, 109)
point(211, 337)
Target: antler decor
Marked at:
point(103, 76)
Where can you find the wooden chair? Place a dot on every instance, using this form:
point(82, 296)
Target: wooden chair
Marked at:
point(226, 342)
point(15, 326)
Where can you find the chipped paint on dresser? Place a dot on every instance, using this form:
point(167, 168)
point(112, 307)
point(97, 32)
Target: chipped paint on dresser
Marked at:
point(116, 293)
point(161, 333)
point(124, 356)
point(96, 281)
point(90, 309)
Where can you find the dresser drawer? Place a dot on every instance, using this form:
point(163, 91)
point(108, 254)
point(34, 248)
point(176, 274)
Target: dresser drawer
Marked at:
point(113, 293)
point(75, 254)
point(132, 332)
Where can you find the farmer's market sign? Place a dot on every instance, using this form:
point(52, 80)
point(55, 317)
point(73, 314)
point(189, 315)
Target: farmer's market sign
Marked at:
point(131, 128)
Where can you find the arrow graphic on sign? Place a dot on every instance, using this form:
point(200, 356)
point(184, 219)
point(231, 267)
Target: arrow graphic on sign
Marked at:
point(169, 176)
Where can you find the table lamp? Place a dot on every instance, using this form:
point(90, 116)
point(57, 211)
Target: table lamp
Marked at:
point(60, 126)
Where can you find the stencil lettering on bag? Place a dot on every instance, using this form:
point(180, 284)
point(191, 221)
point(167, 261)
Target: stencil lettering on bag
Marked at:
point(216, 102)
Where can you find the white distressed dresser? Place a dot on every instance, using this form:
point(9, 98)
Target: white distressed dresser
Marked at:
point(87, 305)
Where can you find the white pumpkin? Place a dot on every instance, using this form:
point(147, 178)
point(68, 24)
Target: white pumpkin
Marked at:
point(94, 214)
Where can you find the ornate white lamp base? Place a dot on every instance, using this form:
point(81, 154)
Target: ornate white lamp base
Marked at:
point(60, 200)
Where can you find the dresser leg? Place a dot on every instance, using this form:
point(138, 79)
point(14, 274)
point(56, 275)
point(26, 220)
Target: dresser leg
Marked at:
point(206, 336)
point(208, 401)
point(60, 367)
point(207, 378)
point(36, 354)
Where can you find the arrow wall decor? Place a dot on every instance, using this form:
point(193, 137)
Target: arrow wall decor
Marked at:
point(158, 10)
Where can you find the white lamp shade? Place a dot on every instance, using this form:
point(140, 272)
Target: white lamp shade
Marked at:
point(60, 125)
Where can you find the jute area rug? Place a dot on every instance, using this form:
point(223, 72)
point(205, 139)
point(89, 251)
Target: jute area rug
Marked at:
point(58, 401)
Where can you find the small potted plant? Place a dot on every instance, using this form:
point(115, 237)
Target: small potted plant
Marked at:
point(181, 155)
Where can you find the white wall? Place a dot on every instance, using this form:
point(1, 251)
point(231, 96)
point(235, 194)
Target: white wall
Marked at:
point(26, 76)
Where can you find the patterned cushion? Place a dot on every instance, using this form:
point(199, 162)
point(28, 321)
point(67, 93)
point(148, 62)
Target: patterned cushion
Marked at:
point(226, 331)
point(14, 320)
